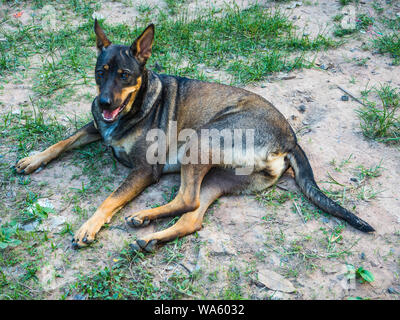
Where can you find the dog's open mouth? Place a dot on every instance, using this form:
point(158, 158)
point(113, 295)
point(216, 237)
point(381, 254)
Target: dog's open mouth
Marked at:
point(111, 115)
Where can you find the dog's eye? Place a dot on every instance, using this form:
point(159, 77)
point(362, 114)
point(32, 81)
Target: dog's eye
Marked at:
point(100, 73)
point(124, 75)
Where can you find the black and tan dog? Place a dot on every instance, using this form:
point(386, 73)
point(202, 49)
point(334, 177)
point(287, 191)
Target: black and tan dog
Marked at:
point(133, 100)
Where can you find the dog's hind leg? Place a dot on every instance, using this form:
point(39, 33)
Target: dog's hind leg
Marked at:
point(187, 199)
point(83, 136)
point(216, 183)
point(129, 189)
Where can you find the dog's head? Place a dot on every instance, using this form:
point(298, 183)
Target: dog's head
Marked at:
point(119, 71)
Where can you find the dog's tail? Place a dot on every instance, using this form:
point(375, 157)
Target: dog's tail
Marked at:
point(305, 179)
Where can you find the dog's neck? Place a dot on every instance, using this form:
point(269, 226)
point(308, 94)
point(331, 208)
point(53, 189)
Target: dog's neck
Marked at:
point(146, 98)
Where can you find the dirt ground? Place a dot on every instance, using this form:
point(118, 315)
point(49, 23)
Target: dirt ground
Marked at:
point(240, 233)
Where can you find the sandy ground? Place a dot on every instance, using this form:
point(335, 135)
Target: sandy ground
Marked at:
point(234, 232)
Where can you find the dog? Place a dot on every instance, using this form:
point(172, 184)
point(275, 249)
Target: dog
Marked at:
point(132, 100)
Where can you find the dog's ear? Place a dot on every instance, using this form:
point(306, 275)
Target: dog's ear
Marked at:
point(141, 48)
point(101, 39)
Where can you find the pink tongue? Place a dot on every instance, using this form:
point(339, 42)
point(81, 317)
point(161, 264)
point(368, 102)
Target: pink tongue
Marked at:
point(110, 115)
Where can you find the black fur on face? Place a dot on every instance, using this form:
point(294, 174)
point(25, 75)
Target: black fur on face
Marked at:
point(119, 71)
point(116, 69)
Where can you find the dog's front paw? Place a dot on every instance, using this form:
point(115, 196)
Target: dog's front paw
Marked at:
point(87, 233)
point(30, 164)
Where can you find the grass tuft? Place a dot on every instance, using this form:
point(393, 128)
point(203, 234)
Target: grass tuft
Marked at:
point(381, 121)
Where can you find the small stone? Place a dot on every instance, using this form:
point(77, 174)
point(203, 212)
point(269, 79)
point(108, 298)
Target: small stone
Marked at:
point(309, 99)
point(275, 281)
point(345, 98)
point(353, 179)
point(219, 248)
point(362, 255)
point(302, 108)
point(79, 297)
point(30, 226)
point(374, 264)
point(56, 221)
point(294, 4)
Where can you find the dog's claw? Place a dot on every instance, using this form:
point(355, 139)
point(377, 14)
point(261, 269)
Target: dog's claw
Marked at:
point(75, 246)
point(134, 247)
point(148, 246)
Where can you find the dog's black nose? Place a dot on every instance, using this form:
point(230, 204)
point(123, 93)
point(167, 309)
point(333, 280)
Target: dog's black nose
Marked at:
point(105, 101)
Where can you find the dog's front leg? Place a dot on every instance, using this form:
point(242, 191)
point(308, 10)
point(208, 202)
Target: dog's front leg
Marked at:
point(83, 136)
point(129, 189)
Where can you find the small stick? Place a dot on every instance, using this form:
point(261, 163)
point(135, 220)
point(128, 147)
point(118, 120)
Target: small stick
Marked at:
point(184, 267)
point(288, 78)
point(352, 96)
point(298, 211)
point(180, 291)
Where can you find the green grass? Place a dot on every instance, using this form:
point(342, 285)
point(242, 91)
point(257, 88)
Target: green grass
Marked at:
point(368, 173)
point(380, 121)
point(346, 2)
point(389, 43)
point(129, 278)
point(363, 22)
point(8, 235)
point(27, 131)
point(275, 198)
point(248, 44)
point(91, 159)
point(123, 279)
point(112, 283)
point(234, 290)
point(173, 6)
point(388, 39)
point(349, 194)
point(392, 24)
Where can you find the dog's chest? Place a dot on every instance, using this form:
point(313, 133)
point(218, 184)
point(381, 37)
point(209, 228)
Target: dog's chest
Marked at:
point(122, 148)
point(121, 154)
